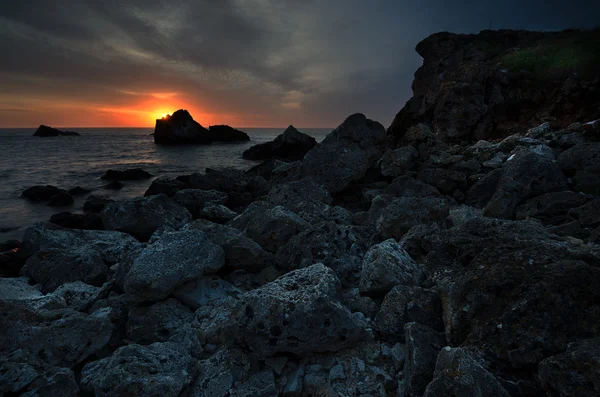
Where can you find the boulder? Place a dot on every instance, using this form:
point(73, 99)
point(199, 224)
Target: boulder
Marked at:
point(574, 372)
point(459, 372)
point(217, 213)
point(180, 128)
point(158, 370)
point(44, 131)
point(78, 191)
point(422, 347)
point(62, 199)
point(158, 322)
point(96, 204)
point(386, 265)
point(405, 186)
point(240, 251)
point(298, 313)
point(550, 205)
point(588, 214)
point(292, 145)
point(142, 216)
point(176, 258)
point(208, 290)
point(586, 182)
point(70, 220)
point(79, 295)
point(582, 157)
point(196, 199)
point(274, 227)
point(114, 185)
point(132, 174)
point(62, 338)
point(345, 154)
point(17, 289)
point(42, 193)
point(254, 210)
point(225, 133)
point(397, 161)
point(408, 304)
point(168, 186)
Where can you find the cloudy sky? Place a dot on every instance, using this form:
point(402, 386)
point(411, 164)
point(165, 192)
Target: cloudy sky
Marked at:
point(247, 63)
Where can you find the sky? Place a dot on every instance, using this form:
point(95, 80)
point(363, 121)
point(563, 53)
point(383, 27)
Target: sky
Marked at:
point(246, 63)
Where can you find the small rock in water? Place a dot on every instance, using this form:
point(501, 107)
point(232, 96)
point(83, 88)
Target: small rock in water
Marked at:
point(114, 185)
point(133, 174)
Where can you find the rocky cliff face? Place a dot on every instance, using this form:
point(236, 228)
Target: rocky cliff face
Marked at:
point(497, 83)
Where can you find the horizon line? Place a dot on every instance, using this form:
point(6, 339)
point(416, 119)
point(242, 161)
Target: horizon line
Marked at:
point(63, 127)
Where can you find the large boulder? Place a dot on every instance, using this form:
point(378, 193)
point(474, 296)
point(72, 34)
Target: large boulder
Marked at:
point(574, 372)
point(422, 347)
point(386, 265)
point(274, 227)
point(225, 133)
point(176, 258)
point(70, 220)
point(397, 161)
point(180, 128)
point(158, 370)
point(582, 157)
point(345, 154)
point(292, 145)
point(132, 174)
point(298, 313)
point(44, 131)
point(62, 199)
point(42, 193)
point(196, 199)
point(62, 338)
point(205, 292)
point(158, 322)
point(142, 216)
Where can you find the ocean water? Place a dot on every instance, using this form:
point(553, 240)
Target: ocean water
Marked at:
point(67, 162)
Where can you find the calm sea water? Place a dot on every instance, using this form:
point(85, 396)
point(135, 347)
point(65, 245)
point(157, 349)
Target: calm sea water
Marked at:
point(67, 162)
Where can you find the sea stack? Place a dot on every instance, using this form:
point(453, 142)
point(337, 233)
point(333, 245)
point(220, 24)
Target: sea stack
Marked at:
point(45, 132)
point(292, 145)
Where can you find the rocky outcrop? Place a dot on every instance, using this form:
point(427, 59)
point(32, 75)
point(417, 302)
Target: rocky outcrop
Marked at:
point(70, 220)
point(292, 145)
point(132, 174)
point(42, 193)
point(180, 128)
point(225, 133)
point(496, 83)
point(45, 132)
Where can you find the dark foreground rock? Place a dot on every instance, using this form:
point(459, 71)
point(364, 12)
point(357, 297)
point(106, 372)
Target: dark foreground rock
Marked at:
point(133, 174)
point(225, 133)
point(78, 221)
point(42, 193)
point(292, 145)
point(44, 132)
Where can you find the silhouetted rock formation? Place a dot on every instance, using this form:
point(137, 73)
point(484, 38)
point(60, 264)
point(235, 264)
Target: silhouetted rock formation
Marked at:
point(225, 133)
point(292, 145)
point(126, 175)
point(180, 128)
point(44, 132)
point(497, 83)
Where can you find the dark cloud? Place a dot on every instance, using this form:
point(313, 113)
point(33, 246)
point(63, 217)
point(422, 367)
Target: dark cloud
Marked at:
point(299, 61)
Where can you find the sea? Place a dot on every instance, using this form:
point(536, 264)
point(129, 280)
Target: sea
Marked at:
point(66, 162)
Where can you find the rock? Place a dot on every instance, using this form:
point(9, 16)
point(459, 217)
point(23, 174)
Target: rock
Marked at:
point(274, 228)
point(362, 304)
point(225, 133)
point(22, 374)
point(345, 154)
point(405, 212)
point(42, 193)
point(583, 157)
point(168, 186)
point(409, 304)
point(62, 199)
point(17, 289)
point(524, 175)
point(550, 205)
point(142, 216)
point(196, 199)
point(588, 214)
point(132, 174)
point(217, 213)
point(62, 338)
point(56, 266)
point(446, 181)
point(175, 259)
point(405, 186)
point(158, 370)
point(422, 347)
point(96, 204)
point(158, 322)
point(70, 220)
point(180, 128)
point(254, 210)
point(292, 145)
point(265, 169)
point(298, 313)
point(114, 185)
point(500, 283)
point(240, 251)
point(206, 291)
point(386, 265)
point(78, 191)
point(45, 132)
point(339, 247)
point(586, 182)
point(396, 162)
point(574, 372)
point(458, 373)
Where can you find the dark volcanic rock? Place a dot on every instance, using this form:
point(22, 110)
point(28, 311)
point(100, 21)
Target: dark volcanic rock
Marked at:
point(292, 145)
point(225, 133)
point(78, 191)
point(62, 199)
point(133, 174)
point(180, 128)
point(196, 199)
point(78, 221)
point(114, 185)
point(96, 204)
point(42, 193)
point(422, 347)
point(142, 216)
point(45, 132)
point(168, 186)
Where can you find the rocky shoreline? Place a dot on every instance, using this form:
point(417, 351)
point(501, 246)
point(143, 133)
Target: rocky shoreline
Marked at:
point(403, 262)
